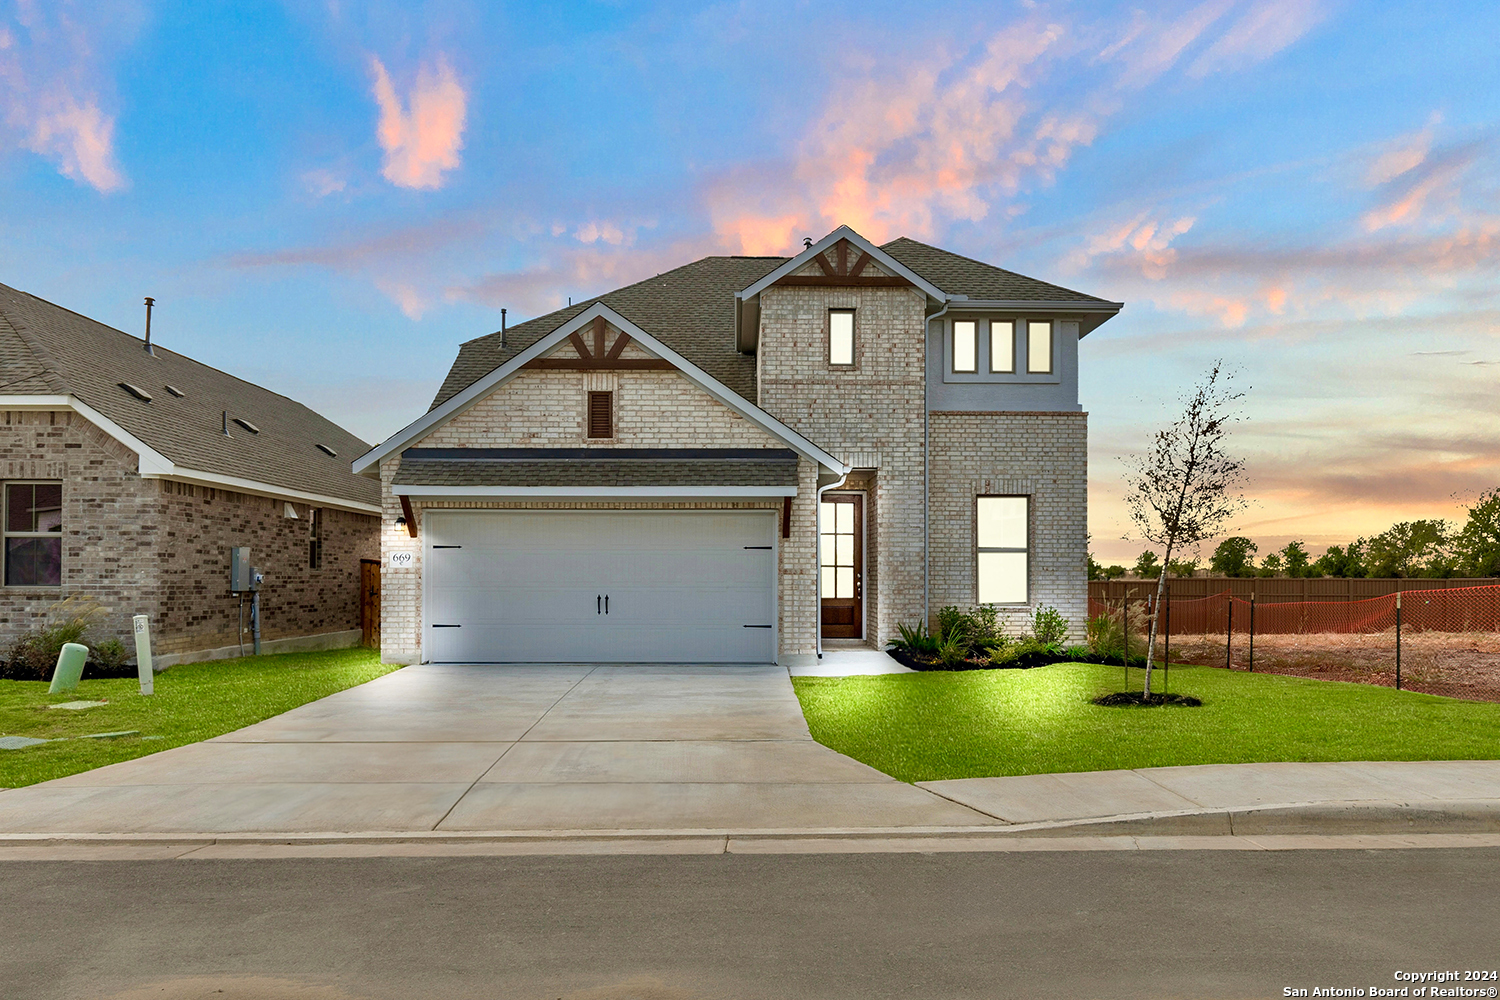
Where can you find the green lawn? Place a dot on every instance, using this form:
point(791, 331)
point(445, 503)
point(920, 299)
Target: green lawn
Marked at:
point(980, 723)
point(192, 702)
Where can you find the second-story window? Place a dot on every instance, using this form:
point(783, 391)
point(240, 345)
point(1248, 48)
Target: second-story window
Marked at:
point(1002, 346)
point(841, 336)
point(1039, 347)
point(965, 345)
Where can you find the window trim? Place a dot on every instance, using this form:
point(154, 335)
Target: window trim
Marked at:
point(942, 357)
point(978, 549)
point(6, 533)
point(974, 347)
point(991, 340)
point(853, 361)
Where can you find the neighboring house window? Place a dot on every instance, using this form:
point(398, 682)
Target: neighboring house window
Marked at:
point(33, 534)
point(965, 345)
point(1002, 346)
point(841, 336)
point(315, 543)
point(601, 414)
point(1001, 549)
point(1039, 347)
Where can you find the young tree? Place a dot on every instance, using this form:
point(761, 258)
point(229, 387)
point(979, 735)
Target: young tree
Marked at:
point(1271, 565)
point(1147, 565)
point(1342, 562)
point(1182, 567)
point(1187, 487)
point(1235, 556)
point(1477, 545)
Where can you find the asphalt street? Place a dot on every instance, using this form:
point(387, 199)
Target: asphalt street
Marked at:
point(1234, 924)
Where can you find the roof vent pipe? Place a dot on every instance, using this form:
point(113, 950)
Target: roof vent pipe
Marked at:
point(807, 242)
point(502, 327)
point(226, 423)
point(149, 303)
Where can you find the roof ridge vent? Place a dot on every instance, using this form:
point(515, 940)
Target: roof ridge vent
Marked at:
point(136, 391)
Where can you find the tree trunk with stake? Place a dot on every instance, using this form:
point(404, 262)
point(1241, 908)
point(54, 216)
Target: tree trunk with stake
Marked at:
point(1187, 487)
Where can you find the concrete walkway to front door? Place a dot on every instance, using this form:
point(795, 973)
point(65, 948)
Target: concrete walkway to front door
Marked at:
point(503, 749)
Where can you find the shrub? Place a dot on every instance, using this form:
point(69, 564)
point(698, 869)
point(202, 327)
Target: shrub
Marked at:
point(111, 654)
point(34, 655)
point(953, 649)
point(952, 621)
point(1048, 626)
point(915, 640)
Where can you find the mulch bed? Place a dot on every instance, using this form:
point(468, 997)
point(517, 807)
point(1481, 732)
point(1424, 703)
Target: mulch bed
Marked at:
point(1025, 662)
point(1135, 699)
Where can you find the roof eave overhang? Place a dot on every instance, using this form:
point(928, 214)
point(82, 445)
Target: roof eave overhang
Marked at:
point(369, 463)
point(420, 492)
point(152, 464)
point(1091, 315)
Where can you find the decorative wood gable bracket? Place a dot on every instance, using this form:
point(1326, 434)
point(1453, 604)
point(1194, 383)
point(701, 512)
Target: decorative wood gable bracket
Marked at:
point(596, 358)
point(840, 273)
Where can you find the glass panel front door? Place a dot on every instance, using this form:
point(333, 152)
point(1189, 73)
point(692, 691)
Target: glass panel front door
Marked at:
point(840, 565)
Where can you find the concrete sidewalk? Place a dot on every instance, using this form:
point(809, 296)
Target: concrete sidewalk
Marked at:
point(653, 758)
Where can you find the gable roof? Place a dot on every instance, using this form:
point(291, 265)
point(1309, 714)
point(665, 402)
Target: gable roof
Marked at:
point(471, 394)
point(694, 308)
point(49, 351)
point(689, 308)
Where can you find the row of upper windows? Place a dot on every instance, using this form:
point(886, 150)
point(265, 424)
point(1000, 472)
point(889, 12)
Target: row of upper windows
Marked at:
point(965, 345)
point(1002, 341)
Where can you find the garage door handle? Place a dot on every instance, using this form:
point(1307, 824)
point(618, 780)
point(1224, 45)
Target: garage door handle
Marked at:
point(598, 604)
point(606, 604)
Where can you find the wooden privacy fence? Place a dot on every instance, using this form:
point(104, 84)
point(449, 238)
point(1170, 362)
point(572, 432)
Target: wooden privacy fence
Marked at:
point(1273, 589)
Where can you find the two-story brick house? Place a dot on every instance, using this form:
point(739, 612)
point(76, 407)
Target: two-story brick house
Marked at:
point(739, 458)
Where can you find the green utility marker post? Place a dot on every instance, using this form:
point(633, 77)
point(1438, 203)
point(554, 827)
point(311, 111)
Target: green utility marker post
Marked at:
point(69, 667)
point(143, 652)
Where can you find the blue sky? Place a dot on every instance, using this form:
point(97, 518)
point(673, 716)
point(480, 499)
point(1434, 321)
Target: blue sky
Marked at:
point(328, 197)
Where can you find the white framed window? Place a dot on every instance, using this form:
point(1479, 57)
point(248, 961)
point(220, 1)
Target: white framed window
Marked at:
point(1002, 346)
point(1002, 553)
point(33, 534)
point(841, 337)
point(965, 345)
point(1039, 347)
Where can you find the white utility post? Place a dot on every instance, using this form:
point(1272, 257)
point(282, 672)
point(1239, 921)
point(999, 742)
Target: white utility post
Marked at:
point(143, 652)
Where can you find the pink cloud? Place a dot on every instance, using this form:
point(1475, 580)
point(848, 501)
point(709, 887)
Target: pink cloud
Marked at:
point(50, 84)
point(1266, 28)
point(421, 139)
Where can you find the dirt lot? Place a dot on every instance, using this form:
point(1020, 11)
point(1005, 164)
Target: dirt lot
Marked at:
point(1456, 664)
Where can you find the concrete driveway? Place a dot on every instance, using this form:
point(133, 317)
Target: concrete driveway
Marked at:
point(502, 748)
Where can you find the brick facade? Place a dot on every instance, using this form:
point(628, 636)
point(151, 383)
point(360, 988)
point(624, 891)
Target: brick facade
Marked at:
point(161, 548)
point(547, 409)
point(1043, 456)
point(869, 415)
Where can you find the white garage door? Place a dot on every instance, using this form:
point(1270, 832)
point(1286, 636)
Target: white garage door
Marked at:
point(600, 586)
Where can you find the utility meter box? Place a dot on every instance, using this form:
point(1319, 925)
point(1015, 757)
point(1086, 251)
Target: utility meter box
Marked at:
point(239, 570)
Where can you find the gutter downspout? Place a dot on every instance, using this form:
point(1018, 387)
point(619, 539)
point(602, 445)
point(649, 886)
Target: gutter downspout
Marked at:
point(818, 570)
point(926, 473)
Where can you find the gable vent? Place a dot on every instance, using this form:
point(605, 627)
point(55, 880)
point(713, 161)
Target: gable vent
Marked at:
point(136, 391)
point(601, 414)
point(328, 451)
point(247, 425)
point(175, 391)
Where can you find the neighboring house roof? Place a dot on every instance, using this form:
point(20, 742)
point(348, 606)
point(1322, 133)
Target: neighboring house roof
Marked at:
point(46, 350)
point(597, 467)
point(975, 279)
point(692, 309)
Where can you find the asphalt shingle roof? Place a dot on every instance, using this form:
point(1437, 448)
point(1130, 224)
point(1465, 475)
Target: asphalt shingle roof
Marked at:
point(46, 349)
point(691, 310)
point(604, 467)
point(958, 275)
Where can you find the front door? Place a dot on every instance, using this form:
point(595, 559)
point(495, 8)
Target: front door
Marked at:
point(369, 602)
point(841, 565)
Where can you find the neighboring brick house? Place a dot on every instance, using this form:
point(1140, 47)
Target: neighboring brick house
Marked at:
point(127, 475)
point(743, 457)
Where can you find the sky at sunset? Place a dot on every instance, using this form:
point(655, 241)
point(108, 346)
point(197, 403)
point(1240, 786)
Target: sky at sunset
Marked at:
point(328, 197)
